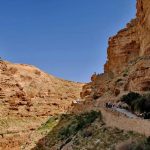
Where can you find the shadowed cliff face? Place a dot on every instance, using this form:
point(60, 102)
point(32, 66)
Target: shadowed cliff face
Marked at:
point(131, 42)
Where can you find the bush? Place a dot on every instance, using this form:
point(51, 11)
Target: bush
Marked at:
point(49, 124)
point(130, 97)
point(137, 102)
point(80, 122)
point(87, 119)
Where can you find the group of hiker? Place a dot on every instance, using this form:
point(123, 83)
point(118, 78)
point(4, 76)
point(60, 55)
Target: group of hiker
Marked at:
point(110, 105)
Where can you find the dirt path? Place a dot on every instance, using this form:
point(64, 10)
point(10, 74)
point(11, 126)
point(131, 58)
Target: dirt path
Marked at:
point(126, 112)
point(116, 119)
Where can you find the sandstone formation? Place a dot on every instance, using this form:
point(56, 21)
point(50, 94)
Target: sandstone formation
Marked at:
point(131, 42)
point(28, 97)
point(127, 66)
point(27, 91)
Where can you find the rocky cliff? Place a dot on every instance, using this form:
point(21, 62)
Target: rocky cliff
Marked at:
point(127, 67)
point(28, 97)
point(131, 42)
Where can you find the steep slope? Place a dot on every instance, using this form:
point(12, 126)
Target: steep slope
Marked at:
point(128, 66)
point(27, 91)
point(28, 97)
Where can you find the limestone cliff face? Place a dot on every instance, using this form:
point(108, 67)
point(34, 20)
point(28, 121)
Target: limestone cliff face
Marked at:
point(143, 16)
point(128, 62)
point(123, 48)
point(131, 42)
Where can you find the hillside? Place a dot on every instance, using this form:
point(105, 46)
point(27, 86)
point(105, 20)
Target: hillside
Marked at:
point(126, 71)
point(37, 111)
point(28, 91)
point(28, 97)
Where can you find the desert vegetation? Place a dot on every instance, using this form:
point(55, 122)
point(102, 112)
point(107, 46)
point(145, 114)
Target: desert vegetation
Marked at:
point(143, 144)
point(86, 130)
point(137, 103)
point(80, 122)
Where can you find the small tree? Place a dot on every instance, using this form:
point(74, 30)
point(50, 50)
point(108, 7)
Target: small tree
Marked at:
point(130, 97)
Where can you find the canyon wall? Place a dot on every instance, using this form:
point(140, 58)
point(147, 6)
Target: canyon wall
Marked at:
point(128, 62)
point(131, 42)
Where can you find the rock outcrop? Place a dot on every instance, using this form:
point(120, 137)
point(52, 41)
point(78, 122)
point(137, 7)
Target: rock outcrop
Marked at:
point(131, 42)
point(127, 66)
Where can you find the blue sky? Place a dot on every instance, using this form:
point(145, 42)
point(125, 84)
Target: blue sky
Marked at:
point(66, 38)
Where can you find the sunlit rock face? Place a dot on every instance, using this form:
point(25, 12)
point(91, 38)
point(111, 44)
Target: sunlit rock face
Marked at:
point(27, 91)
point(131, 42)
point(128, 62)
point(139, 77)
point(143, 15)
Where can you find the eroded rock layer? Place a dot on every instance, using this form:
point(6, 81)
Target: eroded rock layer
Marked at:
point(28, 97)
point(27, 91)
point(131, 42)
point(128, 61)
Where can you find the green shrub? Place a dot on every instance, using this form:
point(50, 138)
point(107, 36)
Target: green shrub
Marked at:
point(80, 122)
point(137, 102)
point(50, 123)
point(130, 97)
point(87, 119)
